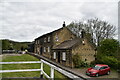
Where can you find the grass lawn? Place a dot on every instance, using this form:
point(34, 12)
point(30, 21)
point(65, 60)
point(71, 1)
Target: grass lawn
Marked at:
point(26, 57)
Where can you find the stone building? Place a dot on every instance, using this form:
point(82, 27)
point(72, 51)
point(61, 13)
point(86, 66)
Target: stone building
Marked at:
point(60, 46)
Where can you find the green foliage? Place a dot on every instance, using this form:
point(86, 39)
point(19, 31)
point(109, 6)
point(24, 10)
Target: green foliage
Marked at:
point(5, 44)
point(108, 47)
point(109, 60)
point(118, 65)
point(78, 62)
point(108, 53)
point(8, 44)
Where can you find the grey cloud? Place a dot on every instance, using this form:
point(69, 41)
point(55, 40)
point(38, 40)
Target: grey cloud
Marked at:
point(24, 21)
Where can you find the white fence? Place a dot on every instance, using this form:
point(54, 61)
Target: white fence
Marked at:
point(53, 67)
point(23, 70)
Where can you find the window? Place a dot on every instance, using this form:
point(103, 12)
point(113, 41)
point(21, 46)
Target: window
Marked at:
point(48, 49)
point(38, 41)
point(104, 67)
point(54, 55)
point(44, 39)
point(85, 59)
point(56, 38)
point(64, 56)
point(83, 42)
point(101, 68)
point(49, 39)
point(44, 49)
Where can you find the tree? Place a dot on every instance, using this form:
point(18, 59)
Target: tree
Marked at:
point(108, 47)
point(98, 29)
point(5, 45)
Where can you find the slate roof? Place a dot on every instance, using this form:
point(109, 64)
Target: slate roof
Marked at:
point(55, 31)
point(68, 44)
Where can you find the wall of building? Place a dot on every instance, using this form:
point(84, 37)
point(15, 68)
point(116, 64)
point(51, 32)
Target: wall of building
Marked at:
point(68, 57)
point(86, 51)
point(62, 35)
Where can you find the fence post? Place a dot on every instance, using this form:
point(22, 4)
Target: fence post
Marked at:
point(52, 73)
point(41, 73)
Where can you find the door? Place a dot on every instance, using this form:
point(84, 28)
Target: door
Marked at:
point(102, 71)
point(59, 57)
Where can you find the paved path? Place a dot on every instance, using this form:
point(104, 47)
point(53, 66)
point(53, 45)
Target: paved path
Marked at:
point(113, 74)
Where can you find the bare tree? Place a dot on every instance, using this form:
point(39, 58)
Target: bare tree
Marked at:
point(98, 29)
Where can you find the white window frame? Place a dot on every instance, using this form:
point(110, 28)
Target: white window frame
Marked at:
point(64, 56)
point(38, 41)
point(49, 39)
point(48, 49)
point(54, 55)
point(56, 38)
point(83, 41)
point(44, 49)
point(44, 39)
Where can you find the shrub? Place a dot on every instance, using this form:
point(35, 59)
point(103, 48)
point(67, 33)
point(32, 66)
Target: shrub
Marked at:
point(76, 60)
point(118, 65)
point(109, 60)
point(83, 64)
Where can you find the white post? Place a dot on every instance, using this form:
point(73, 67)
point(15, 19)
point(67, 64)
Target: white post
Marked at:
point(52, 73)
point(41, 74)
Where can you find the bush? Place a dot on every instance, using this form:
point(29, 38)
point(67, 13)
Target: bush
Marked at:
point(118, 65)
point(109, 60)
point(77, 60)
point(83, 64)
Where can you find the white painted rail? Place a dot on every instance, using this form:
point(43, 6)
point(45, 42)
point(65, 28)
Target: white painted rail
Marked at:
point(53, 67)
point(66, 73)
point(27, 62)
point(20, 62)
point(5, 71)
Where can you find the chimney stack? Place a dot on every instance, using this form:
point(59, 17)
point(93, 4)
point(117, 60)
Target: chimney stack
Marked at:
point(64, 24)
point(82, 33)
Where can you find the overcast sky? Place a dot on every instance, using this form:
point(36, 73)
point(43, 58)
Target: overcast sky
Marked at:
point(27, 20)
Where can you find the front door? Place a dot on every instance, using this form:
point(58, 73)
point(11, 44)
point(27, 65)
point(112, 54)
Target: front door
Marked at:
point(59, 57)
point(41, 50)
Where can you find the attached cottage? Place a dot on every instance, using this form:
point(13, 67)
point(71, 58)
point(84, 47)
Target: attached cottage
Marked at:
point(60, 46)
